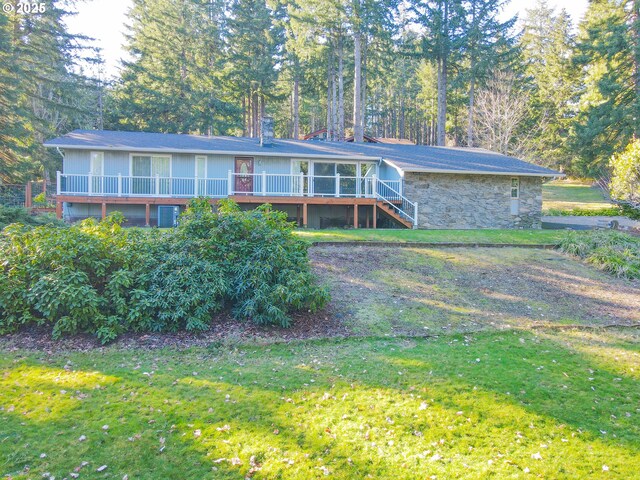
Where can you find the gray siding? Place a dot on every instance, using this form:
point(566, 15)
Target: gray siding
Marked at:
point(76, 162)
point(115, 163)
point(183, 165)
point(218, 166)
point(387, 172)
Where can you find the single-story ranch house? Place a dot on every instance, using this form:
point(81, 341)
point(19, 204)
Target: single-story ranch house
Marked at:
point(150, 177)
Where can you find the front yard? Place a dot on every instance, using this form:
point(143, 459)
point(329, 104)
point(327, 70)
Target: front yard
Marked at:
point(549, 404)
point(444, 363)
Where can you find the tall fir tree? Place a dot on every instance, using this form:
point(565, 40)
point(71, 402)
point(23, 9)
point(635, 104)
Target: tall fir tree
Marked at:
point(607, 115)
point(173, 81)
point(43, 91)
point(488, 47)
point(443, 22)
point(255, 41)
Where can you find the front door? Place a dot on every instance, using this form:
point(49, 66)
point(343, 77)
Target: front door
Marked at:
point(244, 175)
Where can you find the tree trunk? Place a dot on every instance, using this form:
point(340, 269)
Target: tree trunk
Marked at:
point(442, 102)
point(472, 92)
point(442, 76)
point(358, 129)
point(244, 115)
point(340, 91)
point(334, 107)
point(296, 107)
point(329, 114)
point(636, 62)
point(363, 104)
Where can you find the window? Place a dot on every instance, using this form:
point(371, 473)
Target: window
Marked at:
point(299, 167)
point(515, 187)
point(201, 166)
point(147, 167)
point(150, 166)
point(96, 166)
point(367, 169)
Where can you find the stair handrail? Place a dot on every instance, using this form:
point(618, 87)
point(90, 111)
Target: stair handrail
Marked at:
point(407, 205)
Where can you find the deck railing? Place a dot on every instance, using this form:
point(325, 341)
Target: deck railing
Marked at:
point(257, 184)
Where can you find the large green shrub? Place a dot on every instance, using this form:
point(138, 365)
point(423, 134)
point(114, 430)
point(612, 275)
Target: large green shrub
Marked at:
point(614, 252)
point(9, 215)
point(106, 280)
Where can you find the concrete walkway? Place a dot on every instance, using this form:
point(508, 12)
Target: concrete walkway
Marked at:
point(587, 223)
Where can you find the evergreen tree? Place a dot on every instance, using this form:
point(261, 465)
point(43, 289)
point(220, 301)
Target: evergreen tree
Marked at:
point(547, 47)
point(607, 109)
point(42, 91)
point(443, 21)
point(255, 41)
point(489, 45)
point(173, 82)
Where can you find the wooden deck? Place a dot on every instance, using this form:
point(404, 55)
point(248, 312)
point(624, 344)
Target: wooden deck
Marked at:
point(300, 201)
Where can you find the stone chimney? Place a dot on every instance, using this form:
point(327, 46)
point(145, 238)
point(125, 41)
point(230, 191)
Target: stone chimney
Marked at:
point(266, 131)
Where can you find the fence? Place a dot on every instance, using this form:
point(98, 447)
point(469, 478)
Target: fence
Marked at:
point(14, 195)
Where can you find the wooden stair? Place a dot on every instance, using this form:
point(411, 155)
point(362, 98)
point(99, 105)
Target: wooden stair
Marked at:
point(394, 214)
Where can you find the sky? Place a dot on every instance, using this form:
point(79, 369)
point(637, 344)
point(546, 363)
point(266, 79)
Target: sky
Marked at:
point(105, 20)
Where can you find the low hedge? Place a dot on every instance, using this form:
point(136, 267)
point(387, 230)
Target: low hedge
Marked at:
point(613, 211)
point(106, 280)
point(9, 215)
point(614, 252)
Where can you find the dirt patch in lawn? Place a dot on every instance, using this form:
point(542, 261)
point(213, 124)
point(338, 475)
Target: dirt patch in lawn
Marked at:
point(385, 291)
point(415, 291)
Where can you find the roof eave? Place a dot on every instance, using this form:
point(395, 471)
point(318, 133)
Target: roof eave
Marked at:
point(257, 153)
point(485, 172)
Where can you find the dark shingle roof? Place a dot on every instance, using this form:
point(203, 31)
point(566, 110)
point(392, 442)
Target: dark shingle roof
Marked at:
point(406, 157)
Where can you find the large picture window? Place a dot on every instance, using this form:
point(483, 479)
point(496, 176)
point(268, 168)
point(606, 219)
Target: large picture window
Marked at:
point(153, 172)
point(355, 177)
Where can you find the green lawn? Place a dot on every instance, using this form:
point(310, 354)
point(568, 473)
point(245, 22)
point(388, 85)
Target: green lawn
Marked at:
point(435, 236)
point(563, 195)
point(501, 404)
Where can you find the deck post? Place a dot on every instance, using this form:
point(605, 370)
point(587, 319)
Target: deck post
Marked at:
point(157, 184)
point(355, 215)
point(195, 186)
point(337, 184)
point(90, 184)
point(147, 214)
point(374, 187)
point(305, 220)
point(104, 210)
point(301, 184)
point(119, 184)
point(415, 215)
point(58, 182)
point(58, 209)
point(230, 183)
point(264, 183)
point(375, 216)
point(27, 195)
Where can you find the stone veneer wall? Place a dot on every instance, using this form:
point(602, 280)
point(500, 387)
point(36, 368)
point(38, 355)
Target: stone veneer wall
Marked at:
point(473, 201)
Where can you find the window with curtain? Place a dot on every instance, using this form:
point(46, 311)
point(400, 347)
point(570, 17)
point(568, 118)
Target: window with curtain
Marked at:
point(150, 166)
